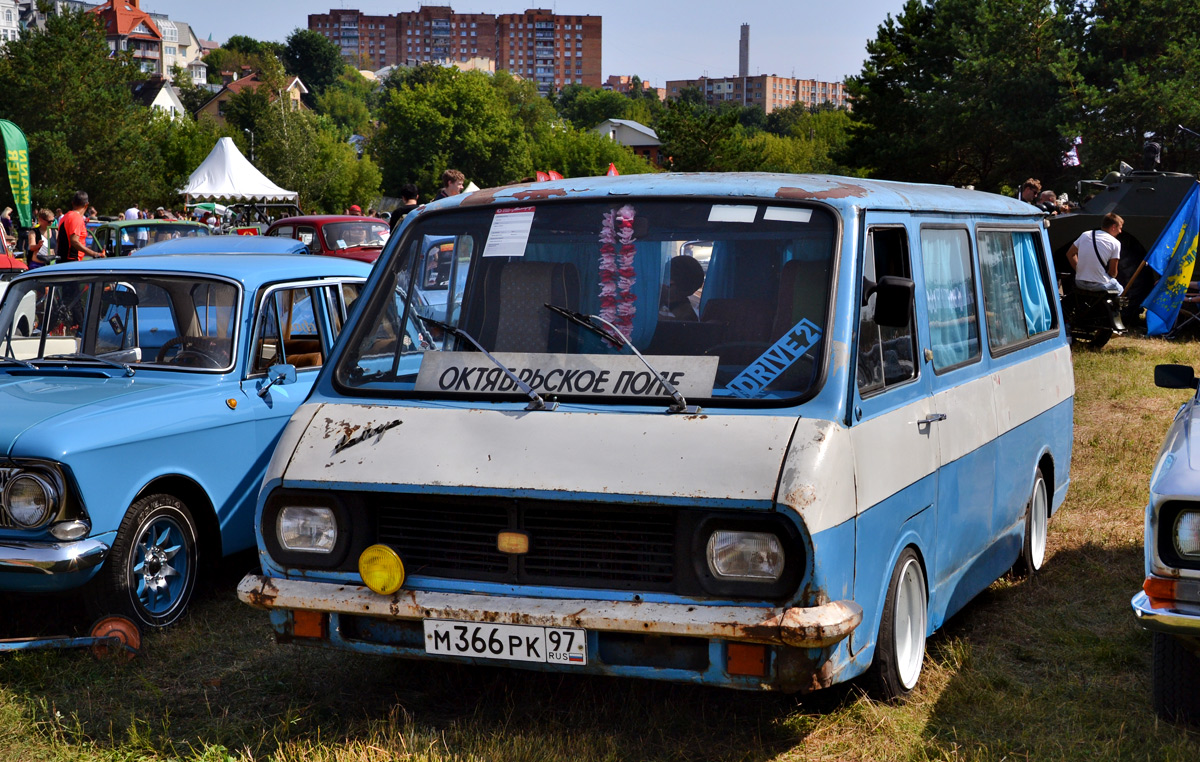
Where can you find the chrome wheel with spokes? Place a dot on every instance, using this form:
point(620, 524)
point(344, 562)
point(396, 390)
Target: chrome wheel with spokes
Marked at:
point(151, 569)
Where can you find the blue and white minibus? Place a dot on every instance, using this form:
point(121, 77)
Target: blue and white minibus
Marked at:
point(747, 430)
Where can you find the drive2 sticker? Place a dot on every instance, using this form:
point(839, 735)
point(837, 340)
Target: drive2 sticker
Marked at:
point(771, 364)
point(509, 233)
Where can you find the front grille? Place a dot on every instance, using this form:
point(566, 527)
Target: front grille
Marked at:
point(571, 544)
point(6, 521)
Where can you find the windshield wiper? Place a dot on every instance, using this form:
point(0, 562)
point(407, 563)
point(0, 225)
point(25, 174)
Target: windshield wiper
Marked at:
point(81, 356)
point(535, 400)
point(614, 336)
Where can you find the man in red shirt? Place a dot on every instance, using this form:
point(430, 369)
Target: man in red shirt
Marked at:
point(72, 231)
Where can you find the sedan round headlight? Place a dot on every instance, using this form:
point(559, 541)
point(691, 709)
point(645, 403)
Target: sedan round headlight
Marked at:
point(745, 555)
point(30, 500)
point(1187, 534)
point(307, 529)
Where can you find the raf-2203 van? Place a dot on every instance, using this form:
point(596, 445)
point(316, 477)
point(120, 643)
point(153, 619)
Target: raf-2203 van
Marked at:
point(757, 431)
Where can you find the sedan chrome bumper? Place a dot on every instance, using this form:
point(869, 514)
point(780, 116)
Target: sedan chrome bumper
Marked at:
point(811, 627)
point(1175, 617)
point(51, 557)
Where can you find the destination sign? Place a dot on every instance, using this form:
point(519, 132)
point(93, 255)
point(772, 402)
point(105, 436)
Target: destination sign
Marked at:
point(587, 375)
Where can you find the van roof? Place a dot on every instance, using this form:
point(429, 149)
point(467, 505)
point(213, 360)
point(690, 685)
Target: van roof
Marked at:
point(838, 192)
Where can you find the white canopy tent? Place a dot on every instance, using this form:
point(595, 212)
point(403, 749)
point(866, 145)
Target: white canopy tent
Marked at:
point(226, 175)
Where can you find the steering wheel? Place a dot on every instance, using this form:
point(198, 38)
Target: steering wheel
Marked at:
point(188, 355)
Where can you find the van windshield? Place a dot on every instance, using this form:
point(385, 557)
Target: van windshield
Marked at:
point(726, 299)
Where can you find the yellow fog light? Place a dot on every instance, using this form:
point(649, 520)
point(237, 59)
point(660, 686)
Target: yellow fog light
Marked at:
point(381, 569)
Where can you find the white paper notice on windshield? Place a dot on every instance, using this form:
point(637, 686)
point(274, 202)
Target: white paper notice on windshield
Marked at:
point(509, 233)
point(589, 375)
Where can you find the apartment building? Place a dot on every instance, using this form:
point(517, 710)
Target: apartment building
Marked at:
point(765, 90)
point(552, 50)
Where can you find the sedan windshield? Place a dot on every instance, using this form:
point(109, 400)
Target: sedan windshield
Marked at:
point(349, 235)
point(725, 300)
point(177, 322)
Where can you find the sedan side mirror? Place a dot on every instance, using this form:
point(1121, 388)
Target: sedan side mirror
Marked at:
point(1175, 377)
point(278, 374)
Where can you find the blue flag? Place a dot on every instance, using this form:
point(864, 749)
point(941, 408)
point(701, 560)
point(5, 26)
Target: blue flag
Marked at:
point(1173, 257)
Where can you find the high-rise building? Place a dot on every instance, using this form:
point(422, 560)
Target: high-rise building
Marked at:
point(552, 50)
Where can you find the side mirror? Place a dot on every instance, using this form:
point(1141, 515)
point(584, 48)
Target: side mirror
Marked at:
point(893, 301)
point(1175, 377)
point(278, 374)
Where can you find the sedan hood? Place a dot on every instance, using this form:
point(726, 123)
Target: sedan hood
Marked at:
point(74, 403)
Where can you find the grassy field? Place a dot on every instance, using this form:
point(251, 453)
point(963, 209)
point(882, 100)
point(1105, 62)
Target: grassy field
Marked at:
point(1050, 669)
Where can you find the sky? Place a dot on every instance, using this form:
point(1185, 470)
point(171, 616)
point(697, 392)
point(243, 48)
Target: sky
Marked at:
point(655, 39)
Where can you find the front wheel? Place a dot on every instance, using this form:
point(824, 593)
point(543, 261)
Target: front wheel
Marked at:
point(151, 569)
point(1176, 675)
point(900, 649)
point(1099, 338)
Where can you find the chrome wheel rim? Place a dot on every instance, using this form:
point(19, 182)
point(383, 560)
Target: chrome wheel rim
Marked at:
point(909, 626)
point(1037, 524)
point(162, 566)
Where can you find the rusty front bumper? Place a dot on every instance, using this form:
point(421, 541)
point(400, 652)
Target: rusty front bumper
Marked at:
point(814, 627)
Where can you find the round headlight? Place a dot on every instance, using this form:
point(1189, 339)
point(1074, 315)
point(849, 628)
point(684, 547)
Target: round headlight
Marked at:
point(1187, 534)
point(381, 569)
point(30, 499)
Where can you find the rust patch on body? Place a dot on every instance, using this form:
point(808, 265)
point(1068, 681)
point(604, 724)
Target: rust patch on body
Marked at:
point(840, 191)
point(263, 597)
point(539, 194)
point(801, 497)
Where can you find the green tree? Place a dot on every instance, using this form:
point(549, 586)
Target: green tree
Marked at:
point(455, 120)
point(699, 139)
point(313, 58)
point(586, 107)
point(182, 144)
point(1140, 77)
point(964, 92)
point(76, 108)
point(583, 153)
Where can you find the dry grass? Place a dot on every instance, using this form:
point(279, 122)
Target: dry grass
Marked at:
point(1051, 669)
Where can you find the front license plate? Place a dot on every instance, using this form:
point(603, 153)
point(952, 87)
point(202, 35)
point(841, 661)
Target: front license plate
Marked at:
point(511, 642)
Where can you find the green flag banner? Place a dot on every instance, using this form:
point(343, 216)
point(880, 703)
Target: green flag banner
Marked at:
point(16, 154)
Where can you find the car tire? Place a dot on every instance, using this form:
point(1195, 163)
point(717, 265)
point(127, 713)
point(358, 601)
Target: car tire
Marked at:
point(1099, 338)
point(151, 569)
point(1175, 677)
point(900, 648)
point(1037, 517)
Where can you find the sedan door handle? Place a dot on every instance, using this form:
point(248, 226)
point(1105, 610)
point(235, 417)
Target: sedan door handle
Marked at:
point(932, 418)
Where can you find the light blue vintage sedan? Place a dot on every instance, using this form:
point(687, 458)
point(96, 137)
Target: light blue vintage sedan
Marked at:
point(1169, 602)
point(138, 412)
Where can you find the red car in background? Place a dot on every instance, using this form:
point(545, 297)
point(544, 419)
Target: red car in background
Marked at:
point(337, 235)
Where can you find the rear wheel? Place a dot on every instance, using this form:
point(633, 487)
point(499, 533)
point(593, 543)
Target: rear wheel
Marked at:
point(1099, 338)
point(900, 649)
point(1037, 516)
point(1176, 675)
point(151, 569)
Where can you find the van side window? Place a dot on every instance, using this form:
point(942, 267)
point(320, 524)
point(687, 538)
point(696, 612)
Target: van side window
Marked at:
point(950, 296)
point(886, 356)
point(1016, 291)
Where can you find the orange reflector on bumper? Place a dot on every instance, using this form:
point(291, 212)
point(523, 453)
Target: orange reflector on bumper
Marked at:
point(746, 659)
point(308, 624)
point(1160, 591)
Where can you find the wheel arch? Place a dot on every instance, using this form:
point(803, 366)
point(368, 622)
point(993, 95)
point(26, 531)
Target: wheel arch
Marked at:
point(199, 505)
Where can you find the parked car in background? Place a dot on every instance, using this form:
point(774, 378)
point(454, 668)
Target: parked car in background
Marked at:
point(123, 237)
point(1169, 602)
point(140, 411)
point(337, 235)
point(225, 244)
